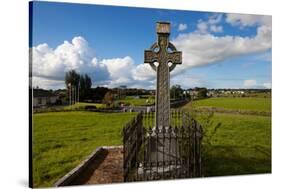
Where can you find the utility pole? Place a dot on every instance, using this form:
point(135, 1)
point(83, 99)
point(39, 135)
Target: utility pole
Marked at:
point(69, 91)
point(74, 93)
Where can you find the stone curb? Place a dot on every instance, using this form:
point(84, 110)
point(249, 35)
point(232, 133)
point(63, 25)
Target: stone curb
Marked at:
point(74, 173)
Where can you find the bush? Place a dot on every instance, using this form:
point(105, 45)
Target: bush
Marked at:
point(91, 107)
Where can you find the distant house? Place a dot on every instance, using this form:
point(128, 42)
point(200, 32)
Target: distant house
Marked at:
point(193, 93)
point(211, 93)
point(43, 98)
point(136, 97)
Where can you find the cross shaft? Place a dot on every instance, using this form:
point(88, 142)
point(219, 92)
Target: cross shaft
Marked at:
point(163, 52)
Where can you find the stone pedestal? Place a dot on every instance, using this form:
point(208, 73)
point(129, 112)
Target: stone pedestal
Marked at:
point(162, 152)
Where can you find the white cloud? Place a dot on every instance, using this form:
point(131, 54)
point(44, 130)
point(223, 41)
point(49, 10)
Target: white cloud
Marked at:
point(143, 72)
point(216, 29)
point(201, 49)
point(188, 81)
point(215, 19)
point(120, 70)
point(202, 27)
point(47, 83)
point(250, 83)
point(246, 20)
point(182, 27)
point(50, 65)
point(210, 25)
point(267, 85)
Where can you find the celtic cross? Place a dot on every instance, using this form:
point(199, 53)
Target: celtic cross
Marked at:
point(166, 55)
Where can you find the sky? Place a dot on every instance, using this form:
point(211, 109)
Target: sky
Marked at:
point(220, 50)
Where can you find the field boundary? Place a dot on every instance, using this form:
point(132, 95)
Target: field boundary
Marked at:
point(232, 111)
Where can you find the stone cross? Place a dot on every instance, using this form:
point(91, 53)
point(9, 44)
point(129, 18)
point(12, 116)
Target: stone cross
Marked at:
point(162, 57)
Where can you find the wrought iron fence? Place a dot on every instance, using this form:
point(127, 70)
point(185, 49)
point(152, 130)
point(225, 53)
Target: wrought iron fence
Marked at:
point(152, 153)
point(132, 140)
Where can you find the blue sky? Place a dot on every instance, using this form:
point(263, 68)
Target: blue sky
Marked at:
point(220, 50)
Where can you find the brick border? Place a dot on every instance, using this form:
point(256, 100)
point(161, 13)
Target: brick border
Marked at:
point(74, 173)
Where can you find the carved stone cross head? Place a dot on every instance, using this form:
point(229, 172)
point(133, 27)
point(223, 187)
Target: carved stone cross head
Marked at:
point(163, 51)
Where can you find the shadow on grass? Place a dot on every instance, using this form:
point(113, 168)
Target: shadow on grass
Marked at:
point(236, 160)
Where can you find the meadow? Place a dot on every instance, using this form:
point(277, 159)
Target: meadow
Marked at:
point(245, 103)
point(145, 100)
point(241, 145)
point(61, 140)
point(235, 144)
point(82, 105)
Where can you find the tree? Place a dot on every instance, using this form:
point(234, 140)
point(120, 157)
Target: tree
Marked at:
point(81, 83)
point(108, 98)
point(202, 92)
point(98, 93)
point(82, 87)
point(72, 78)
point(72, 82)
point(85, 84)
point(88, 85)
point(176, 92)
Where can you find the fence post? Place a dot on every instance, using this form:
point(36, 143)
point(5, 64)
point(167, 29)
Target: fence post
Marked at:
point(184, 133)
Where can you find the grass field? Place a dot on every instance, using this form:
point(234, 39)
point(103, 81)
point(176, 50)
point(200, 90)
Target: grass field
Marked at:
point(137, 101)
point(61, 140)
point(75, 107)
point(255, 104)
point(81, 105)
point(242, 145)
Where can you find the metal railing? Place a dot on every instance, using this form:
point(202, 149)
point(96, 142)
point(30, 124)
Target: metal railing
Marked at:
point(152, 153)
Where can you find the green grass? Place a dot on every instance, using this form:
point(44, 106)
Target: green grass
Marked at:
point(75, 107)
point(252, 103)
point(137, 101)
point(242, 145)
point(81, 105)
point(61, 140)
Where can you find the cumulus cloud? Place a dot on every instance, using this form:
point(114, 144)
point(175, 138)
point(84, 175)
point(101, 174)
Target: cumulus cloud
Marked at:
point(50, 65)
point(216, 29)
point(246, 20)
point(120, 70)
point(210, 25)
point(47, 83)
point(53, 63)
point(267, 85)
point(215, 19)
point(250, 83)
point(202, 27)
point(189, 81)
point(201, 49)
point(143, 72)
point(182, 27)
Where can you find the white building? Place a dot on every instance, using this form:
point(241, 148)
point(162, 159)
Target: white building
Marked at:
point(43, 98)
